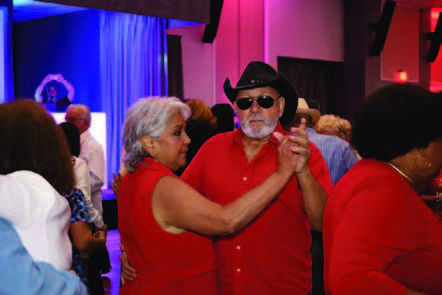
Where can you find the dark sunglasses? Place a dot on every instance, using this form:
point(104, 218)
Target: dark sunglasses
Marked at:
point(264, 101)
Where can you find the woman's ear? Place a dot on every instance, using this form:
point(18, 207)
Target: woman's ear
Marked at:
point(148, 144)
point(422, 161)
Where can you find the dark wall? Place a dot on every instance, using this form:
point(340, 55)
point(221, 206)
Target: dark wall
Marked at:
point(361, 72)
point(68, 44)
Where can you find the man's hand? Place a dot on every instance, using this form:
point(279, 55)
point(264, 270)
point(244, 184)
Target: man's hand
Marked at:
point(300, 137)
point(287, 153)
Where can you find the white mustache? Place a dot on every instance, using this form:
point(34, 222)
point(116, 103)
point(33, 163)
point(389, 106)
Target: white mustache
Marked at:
point(256, 117)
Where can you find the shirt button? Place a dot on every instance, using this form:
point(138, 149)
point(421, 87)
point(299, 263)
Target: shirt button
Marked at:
point(238, 270)
point(244, 178)
point(238, 247)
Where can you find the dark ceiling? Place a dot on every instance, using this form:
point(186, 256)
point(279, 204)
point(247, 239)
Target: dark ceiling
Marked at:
point(189, 10)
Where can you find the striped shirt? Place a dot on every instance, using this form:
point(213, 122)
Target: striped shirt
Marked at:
point(337, 153)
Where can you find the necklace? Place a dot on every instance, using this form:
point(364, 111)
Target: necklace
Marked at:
point(407, 178)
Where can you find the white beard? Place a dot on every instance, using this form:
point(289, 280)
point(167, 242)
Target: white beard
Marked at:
point(258, 132)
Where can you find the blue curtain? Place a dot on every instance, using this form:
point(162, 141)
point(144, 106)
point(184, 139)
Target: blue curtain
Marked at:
point(133, 53)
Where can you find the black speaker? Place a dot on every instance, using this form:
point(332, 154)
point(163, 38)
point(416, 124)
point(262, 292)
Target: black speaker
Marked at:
point(212, 28)
point(381, 28)
point(436, 38)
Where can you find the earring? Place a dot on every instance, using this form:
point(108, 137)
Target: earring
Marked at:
point(422, 166)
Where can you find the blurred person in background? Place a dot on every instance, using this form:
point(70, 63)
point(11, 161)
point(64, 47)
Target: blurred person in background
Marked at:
point(199, 127)
point(379, 235)
point(334, 125)
point(225, 116)
point(51, 99)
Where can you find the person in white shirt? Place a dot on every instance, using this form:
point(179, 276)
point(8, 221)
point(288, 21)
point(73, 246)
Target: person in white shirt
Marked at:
point(91, 152)
point(35, 172)
point(81, 171)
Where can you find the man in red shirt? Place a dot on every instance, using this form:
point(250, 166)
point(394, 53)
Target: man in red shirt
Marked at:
point(271, 255)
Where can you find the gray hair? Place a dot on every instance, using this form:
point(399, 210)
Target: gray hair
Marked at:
point(148, 117)
point(84, 110)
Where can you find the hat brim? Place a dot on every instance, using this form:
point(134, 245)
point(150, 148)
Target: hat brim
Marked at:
point(314, 114)
point(281, 84)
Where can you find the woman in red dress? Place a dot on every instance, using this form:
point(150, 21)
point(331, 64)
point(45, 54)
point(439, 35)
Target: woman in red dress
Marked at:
point(163, 222)
point(379, 235)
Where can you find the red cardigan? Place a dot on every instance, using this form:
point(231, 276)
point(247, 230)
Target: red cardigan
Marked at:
point(379, 236)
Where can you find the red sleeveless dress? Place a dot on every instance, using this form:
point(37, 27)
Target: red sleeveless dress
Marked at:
point(165, 263)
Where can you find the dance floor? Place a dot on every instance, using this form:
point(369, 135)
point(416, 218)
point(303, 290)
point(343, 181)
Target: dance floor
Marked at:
point(111, 280)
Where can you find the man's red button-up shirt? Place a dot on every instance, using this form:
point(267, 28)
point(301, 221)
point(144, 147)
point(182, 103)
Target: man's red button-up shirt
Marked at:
point(271, 255)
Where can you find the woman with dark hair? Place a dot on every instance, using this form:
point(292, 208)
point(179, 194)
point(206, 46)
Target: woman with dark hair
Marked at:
point(199, 127)
point(72, 135)
point(35, 171)
point(225, 117)
point(379, 235)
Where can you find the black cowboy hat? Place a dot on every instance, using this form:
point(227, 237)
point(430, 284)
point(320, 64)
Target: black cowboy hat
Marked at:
point(258, 74)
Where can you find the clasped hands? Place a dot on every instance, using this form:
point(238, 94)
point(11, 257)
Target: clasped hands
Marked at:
point(297, 143)
point(54, 77)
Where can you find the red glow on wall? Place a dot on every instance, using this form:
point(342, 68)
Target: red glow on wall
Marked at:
point(434, 17)
point(401, 76)
point(436, 66)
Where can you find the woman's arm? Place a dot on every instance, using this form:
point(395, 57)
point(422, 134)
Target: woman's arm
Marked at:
point(39, 89)
point(84, 241)
point(177, 205)
point(71, 90)
point(82, 237)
